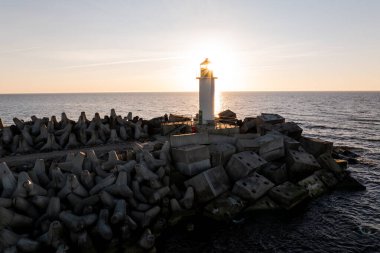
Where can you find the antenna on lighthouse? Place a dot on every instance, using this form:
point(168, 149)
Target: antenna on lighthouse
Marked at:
point(206, 93)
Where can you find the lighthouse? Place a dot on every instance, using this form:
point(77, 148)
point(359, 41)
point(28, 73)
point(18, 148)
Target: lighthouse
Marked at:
point(206, 93)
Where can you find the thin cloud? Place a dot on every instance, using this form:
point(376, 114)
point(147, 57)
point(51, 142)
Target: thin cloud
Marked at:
point(100, 64)
point(19, 50)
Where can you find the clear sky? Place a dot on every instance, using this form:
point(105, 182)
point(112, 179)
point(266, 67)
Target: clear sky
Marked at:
point(157, 45)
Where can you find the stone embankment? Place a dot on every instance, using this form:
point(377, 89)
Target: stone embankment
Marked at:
point(90, 200)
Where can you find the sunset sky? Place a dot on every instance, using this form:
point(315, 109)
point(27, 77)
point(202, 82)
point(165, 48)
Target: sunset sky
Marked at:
point(125, 46)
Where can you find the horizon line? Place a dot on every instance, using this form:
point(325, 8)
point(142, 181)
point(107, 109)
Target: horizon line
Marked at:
point(120, 92)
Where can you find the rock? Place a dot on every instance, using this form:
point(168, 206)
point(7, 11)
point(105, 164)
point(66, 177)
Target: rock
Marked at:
point(300, 165)
point(209, 184)
point(273, 150)
point(288, 194)
point(188, 139)
point(191, 160)
point(225, 207)
point(253, 187)
point(243, 163)
point(315, 146)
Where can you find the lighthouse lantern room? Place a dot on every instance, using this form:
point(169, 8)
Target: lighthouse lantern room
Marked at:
point(206, 93)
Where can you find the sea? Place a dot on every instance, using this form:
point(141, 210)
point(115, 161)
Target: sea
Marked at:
point(342, 221)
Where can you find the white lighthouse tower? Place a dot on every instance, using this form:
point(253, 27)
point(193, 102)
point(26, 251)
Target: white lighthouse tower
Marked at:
point(206, 93)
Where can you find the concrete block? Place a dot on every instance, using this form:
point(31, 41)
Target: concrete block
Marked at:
point(227, 114)
point(221, 153)
point(253, 187)
point(209, 184)
point(327, 178)
point(229, 131)
point(191, 169)
point(219, 139)
point(190, 153)
point(291, 144)
point(192, 159)
point(270, 118)
point(188, 139)
point(327, 162)
point(248, 125)
point(314, 185)
point(224, 207)
point(300, 165)
point(288, 194)
point(315, 146)
point(247, 136)
point(277, 173)
point(273, 150)
point(253, 144)
point(290, 129)
point(243, 163)
point(263, 205)
point(342, 163)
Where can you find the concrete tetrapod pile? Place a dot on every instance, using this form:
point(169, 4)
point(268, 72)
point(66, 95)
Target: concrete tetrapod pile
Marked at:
point(50, 135)
point(124, 200)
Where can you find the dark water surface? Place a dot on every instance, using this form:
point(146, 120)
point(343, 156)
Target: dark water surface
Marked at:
point(337, 222)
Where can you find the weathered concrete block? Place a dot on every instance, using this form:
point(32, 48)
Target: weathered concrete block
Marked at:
point(219, 139)
point(224, 207)
point(277, 173)
point(253, 187)
point(313, 185)
point(315, 146)
point(253, 144)
point(263, 205)
point(247, 136)
point(248, 124)
point(192, 159)
point(243, 163)
point(269, 118)
point(190, 153)
point(221, 153)
point(291, 144)
point(327, 178)
point(290, 129)
point(273, 150)
point(327, 162)
point(191, 169)
point(288, 194)
point(300, 165)
point(188, 139)
point(209, 184)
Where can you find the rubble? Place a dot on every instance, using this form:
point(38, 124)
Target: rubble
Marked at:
point(89, 201)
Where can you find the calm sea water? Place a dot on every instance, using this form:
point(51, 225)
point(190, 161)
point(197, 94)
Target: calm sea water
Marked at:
point(337, 222)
